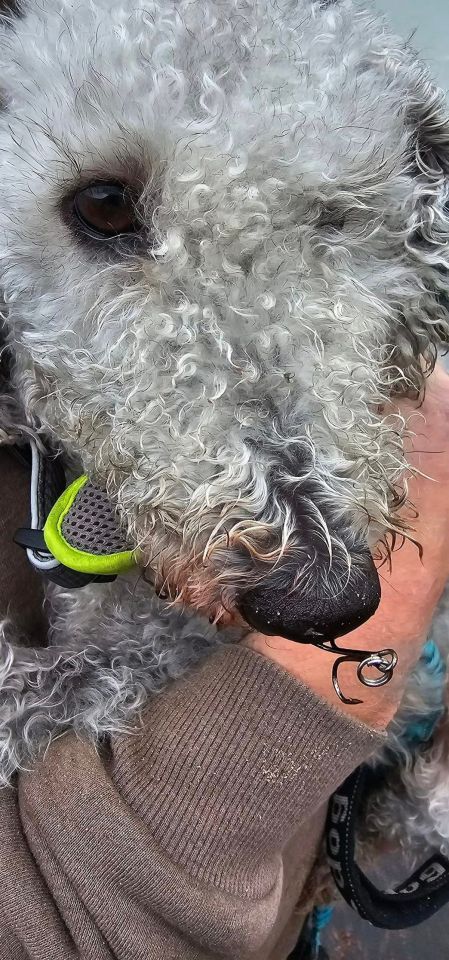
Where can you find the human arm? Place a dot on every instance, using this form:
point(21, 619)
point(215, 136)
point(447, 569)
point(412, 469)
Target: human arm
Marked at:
point(173, 841)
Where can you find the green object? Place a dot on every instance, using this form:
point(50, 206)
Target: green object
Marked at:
point(104, 563)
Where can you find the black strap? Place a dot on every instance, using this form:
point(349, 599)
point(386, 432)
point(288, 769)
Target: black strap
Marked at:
point(408, 904)
point(47, 482)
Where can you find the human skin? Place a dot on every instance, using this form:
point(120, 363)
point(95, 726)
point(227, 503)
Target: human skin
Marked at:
point(410, 590)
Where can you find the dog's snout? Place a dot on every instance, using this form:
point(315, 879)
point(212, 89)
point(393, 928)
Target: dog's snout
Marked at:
point(272, 608)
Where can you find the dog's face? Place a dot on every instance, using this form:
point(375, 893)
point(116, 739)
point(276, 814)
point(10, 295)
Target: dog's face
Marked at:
point(223, 238)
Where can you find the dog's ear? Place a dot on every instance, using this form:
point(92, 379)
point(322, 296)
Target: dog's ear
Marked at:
point(425, 328)
point(428, 236)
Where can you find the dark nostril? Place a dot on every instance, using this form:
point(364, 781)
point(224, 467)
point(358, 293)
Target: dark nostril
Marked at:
point(271, 609)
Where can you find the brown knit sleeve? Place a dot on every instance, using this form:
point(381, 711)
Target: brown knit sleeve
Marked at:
point(172, 846)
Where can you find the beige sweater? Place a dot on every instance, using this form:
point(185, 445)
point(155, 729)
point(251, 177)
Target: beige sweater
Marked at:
point(191, 839)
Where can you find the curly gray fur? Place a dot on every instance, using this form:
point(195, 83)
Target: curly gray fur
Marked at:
point(225, 375)
point(93, 686)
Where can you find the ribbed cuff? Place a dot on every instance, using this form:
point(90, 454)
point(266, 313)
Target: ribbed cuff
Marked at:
point(231, 760)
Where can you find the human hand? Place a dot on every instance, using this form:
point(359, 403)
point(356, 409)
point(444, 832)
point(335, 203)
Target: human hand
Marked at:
point(410, 591)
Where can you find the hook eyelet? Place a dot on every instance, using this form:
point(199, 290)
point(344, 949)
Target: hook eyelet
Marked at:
point(384, 661)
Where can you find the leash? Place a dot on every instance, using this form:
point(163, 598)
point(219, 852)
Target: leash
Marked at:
point(408, 904)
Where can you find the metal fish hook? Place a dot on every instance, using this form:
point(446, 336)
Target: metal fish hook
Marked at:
point(384, 661)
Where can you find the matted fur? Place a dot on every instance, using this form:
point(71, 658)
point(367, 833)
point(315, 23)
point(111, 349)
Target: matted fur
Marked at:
point(225, 374)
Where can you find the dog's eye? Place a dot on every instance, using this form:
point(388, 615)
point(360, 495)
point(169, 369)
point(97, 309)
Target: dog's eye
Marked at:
point(106, 209)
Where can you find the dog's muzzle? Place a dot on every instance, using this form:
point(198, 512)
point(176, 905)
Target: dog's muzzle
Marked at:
point(78, 539)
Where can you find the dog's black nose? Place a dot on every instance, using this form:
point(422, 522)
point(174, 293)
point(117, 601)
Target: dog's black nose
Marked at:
point(273, 608)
